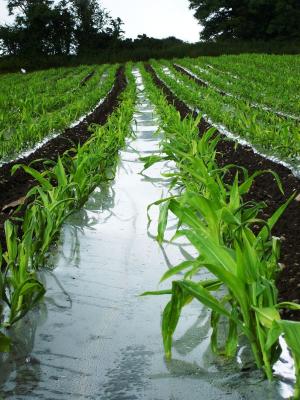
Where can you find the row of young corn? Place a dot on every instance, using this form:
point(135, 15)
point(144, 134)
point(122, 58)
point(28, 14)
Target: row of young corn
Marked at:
point(203, 78)
point(216, 220)
point(62, 188)
point(35, 106)
point(255, 77)
point(266, 131)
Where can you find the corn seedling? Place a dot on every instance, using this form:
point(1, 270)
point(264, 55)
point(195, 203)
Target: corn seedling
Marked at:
point(61, 189)
point(213, 217)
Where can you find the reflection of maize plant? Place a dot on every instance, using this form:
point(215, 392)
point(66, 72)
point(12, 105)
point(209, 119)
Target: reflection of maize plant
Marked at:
point(213, 217)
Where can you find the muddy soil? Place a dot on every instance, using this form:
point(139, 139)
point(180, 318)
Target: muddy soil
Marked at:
point(264, 189)
point(13, 188)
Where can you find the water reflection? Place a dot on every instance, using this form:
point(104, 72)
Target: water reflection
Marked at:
point(195, 335)
point(126, 379)
point(18, 367)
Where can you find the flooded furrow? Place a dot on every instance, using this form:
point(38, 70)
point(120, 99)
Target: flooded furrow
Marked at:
point(94, 337)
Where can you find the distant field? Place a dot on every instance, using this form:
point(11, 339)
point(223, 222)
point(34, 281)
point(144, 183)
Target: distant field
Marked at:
point(255, 97)
point(35, 105)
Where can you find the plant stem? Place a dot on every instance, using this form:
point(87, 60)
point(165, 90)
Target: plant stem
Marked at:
point(297, 372)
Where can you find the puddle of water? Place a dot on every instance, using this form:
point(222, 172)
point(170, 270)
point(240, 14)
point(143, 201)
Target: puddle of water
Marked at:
point(94, 338)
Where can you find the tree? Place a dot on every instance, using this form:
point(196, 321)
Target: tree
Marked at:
point(33, 19)
point(248, 19)
point(10, 38)
point(116, 30)
point(48, 27)
point(40, 28)
point(62, 32)
point(95, 29)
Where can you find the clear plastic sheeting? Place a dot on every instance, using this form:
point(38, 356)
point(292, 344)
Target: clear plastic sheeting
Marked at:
point(94, 337)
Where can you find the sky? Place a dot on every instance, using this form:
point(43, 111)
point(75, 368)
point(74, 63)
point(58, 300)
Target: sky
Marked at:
point(156, 18)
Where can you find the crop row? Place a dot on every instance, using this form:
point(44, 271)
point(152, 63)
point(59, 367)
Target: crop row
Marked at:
point(215, 219)
point(265, 130)
point(273, 81)
point(61, 189)
point(43, 104)
point(239, 91)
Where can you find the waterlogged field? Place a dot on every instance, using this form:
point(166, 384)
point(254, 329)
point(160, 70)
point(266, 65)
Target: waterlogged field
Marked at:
point(173, 179)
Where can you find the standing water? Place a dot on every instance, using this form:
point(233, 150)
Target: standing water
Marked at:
point(94, 337)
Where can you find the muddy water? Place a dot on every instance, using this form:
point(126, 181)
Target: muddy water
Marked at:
point(94, 338)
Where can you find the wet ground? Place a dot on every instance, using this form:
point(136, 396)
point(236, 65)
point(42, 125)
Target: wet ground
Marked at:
point(94, 337)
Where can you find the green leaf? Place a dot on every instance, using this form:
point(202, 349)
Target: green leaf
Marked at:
point(162, 221)
point(228, 217)
point(33, 291)
point(11, 241)
point(273, 335)
point(46, 185)
point(202, 294)
point(267, 315)
point(157, 203)
point(264, 233)
point(232, 338)
point(151, 160)
point(181, 267)
point(5, 343)
point(247, 260)
point(291, 330)
point(171, 316)
point(207, 208)
point(244, 187)
point(235, 198)
point(157, 293)
point(288, 305)
point(60, 173)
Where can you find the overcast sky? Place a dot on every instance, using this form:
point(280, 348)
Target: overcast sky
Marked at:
point(157, 18)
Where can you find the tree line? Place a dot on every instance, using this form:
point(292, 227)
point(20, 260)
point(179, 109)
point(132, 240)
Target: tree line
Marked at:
point(45, 27)
point(248, 19)
point(64, 29)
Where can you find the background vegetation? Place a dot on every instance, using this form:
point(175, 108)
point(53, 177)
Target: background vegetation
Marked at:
point(248, 19)
point(72, 32)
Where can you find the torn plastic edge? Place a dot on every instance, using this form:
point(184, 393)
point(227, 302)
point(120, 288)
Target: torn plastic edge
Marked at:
point(224, 131)
point(27, 153)
point(254, 105)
